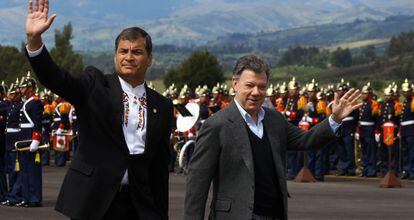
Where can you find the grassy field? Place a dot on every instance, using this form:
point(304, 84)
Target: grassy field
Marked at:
point(358, 44)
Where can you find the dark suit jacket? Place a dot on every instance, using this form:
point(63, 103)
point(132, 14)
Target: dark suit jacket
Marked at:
point(223, 155)
point(95, 175)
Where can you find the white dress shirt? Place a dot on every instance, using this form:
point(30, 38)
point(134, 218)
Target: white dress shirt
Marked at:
point(134, 123)
point(257, 129)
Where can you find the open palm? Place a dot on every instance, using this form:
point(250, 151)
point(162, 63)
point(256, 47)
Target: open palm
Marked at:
point(37, 20)
point(343, 106)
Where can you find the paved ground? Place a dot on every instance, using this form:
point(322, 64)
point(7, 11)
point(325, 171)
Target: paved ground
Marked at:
point(337, 198)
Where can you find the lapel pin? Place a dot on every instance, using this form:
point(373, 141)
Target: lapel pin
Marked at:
point(154, 110)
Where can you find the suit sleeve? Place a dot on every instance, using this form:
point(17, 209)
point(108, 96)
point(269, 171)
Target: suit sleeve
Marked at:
point(160, 172)
point(201, 171)
point(317, 137)
point(72, 88)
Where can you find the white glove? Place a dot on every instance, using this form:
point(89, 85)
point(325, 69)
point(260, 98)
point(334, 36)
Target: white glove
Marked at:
point(377, 138)
point(59, 131)
point(34, 145)
point(287, 113)
point(357, 136)
point(310, 107)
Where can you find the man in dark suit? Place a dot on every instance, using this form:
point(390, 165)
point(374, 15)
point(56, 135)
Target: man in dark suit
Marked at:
point(121, 169)
point(242, 149)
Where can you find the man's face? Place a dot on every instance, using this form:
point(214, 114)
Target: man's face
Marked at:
point(203, 99)
point(131, 59)
point(250, 89)
point(340, 93)
point(25, 90)
point(365, 96)
point(292, 92)
point(312, 95)
point(407, 94)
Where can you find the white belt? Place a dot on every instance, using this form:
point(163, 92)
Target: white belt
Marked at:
point(405, 123)
point(348, 119)
point(74, 118)
point(26, 125)
point(366, 123)
point(56, 119)
point(12, 130)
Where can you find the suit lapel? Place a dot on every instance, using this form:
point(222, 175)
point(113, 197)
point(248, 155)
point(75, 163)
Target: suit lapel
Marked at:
point(272, 134)
point(153, 112)
point(115, 94)
point(241, 137)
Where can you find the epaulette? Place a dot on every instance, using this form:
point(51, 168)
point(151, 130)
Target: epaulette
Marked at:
point(321, 107)
point(398, 108)
point(302, 103)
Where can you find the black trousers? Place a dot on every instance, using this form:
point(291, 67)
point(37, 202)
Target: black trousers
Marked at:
point(121, 207)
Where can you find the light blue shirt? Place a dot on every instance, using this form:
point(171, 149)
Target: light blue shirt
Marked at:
point(257, 129)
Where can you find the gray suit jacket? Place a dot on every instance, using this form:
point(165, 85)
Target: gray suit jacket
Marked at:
point(223, 155)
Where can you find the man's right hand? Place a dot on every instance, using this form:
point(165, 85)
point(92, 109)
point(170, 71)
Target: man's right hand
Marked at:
point(37, 22)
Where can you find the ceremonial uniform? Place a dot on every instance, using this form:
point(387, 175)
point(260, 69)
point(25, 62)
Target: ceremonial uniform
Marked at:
point(407, 132)
point(316, 158)
point(46, 131)
point(294, 111)
point(12, 132)
point(61, 125)
point(4, 105)
point(388, 113)
point(368, 116)
point(346, 147)
point(73, 118)
point(30, 130)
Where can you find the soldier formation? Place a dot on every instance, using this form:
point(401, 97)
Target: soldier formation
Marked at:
point(35, 124)
point(365, 147)
point(38, 123)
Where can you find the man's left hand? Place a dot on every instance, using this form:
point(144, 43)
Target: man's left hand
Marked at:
point(342, 107)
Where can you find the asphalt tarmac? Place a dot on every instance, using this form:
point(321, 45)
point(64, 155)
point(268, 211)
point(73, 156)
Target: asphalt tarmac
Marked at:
point(336, 198)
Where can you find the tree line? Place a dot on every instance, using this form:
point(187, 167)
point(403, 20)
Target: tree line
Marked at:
point(14, 64)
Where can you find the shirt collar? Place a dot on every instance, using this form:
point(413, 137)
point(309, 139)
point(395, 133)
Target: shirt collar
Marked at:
point(126, 87)
point(246, 116)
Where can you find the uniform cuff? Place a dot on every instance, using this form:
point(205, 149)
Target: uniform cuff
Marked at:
point(36, 136)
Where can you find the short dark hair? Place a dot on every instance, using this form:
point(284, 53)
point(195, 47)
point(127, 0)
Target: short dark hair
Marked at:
point(253, 63)
point(134, 33)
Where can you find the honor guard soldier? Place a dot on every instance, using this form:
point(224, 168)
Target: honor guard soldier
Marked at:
point(407, 131)
point(30, 135)
point(73, 119)
point(316, 111)
point(14, 195)
point(281, 101)
point(204, 96)
point(269, 101)
point(47, 117)
point(61, 132)
point(332, 157)
point(346, 147)
point(367, 134)
point(216, 99)
point(4, 106)
point(389, 112)
point(224, 97)
point(294, 111)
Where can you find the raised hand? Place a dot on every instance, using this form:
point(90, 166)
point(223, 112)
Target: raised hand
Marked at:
point(37, 22)
point(342, 107)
